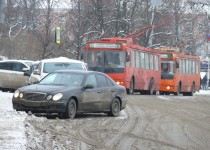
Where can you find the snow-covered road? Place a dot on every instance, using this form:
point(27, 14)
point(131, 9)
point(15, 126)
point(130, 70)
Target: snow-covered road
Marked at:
point(144, 124)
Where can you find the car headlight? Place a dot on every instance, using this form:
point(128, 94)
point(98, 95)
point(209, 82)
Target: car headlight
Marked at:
point(21, 95)
point(57, 97)
point(16, 94)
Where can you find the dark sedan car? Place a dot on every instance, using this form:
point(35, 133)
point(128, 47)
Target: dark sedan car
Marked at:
point(72, 92)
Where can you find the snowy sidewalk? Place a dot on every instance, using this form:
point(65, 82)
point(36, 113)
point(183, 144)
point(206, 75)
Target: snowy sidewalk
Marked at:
point(203, 92)
point(12, 128)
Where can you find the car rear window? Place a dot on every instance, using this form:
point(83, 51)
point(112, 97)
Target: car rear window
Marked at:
point(53, 66)
point(28, 63)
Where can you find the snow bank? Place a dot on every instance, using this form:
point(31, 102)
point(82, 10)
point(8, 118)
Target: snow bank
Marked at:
point(203, 92)
point(12, 127)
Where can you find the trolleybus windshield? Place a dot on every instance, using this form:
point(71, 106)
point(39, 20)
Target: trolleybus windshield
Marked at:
point(106, 61)
point(168, 69)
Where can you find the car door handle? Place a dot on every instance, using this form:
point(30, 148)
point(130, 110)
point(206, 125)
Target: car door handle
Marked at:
point(99, 91)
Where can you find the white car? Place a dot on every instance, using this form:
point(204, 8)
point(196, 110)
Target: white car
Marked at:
point(11, 74)
point(46, 66)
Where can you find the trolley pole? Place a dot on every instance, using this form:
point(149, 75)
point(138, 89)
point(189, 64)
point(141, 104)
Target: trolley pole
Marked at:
point(208, 74)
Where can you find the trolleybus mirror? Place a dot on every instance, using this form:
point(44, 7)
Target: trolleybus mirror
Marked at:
point(128, 57)
point(177, 65)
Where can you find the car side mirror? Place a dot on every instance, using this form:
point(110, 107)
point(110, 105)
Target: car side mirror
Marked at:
point(26, 69)
point(89, 86)
point(127, 57)
point(26, 74)
point(36, 71)
point(35, 82)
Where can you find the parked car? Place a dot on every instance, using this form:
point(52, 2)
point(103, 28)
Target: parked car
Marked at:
point(70, 92)
point(46, 66)
point(11, 74)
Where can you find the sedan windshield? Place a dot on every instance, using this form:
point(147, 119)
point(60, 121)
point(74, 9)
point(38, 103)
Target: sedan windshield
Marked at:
point(69, 79)
point(52, 66)
point(167, 69)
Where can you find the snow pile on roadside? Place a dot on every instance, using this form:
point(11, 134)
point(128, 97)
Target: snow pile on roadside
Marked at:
point(11, 124)
point(203, 92)
point(3, 58)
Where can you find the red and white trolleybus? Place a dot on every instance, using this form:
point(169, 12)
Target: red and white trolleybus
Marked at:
point(127, 63)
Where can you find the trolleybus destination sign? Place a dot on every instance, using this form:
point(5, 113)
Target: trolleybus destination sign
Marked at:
point(166, 55)
point(104, 45)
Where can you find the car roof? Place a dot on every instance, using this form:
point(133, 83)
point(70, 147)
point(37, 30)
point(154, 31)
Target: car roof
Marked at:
point(62, 59)
point(18, 60)
point(80, 71)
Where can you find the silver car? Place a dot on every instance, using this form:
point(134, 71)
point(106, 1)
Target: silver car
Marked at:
point(11, 74)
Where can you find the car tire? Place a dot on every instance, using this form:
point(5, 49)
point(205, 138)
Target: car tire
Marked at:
point(71, 109)
point(115, 108)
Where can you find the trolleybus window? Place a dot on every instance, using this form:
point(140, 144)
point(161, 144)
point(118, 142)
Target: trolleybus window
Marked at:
point(142, 60)
point(151, 61)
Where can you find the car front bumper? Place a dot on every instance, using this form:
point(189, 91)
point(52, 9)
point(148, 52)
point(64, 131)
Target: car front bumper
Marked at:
point(39, 106)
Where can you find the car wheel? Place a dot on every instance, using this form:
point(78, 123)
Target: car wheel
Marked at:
point(71, 109)
point(115, 108)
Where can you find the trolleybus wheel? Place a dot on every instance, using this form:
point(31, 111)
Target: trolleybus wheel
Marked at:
point(131, 89)
point(178, 90)
point(192, 90)
point(151, 87)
